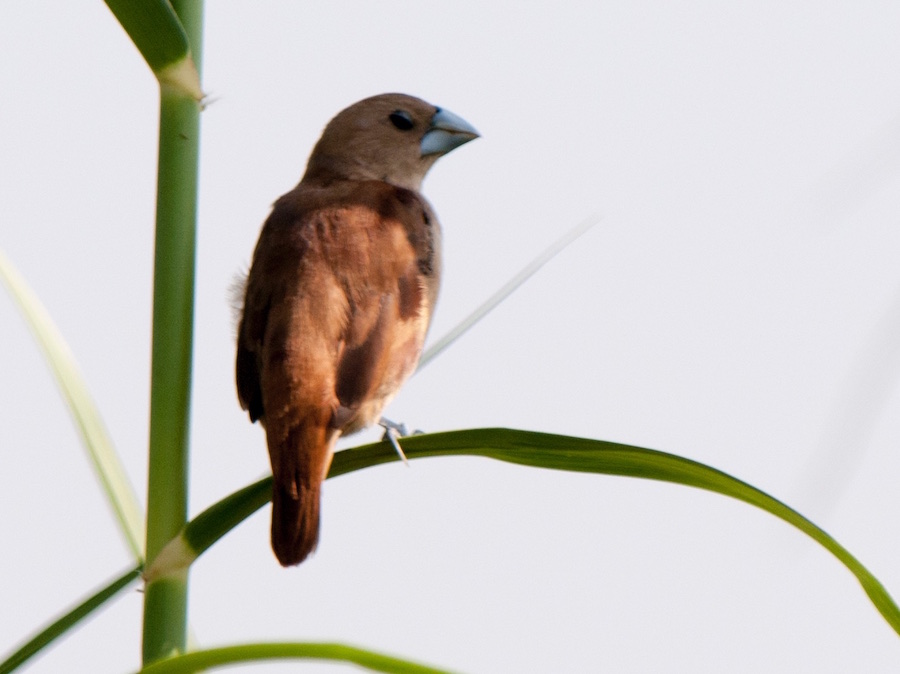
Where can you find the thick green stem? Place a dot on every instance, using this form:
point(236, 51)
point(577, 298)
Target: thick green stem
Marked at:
point(165, 602)
point(173, 311)
point(173, 307)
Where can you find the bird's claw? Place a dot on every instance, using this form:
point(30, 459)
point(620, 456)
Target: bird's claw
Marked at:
point(392, 432)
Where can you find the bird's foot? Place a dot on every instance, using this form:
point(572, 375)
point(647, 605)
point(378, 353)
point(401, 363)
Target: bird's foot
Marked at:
point(392, 432)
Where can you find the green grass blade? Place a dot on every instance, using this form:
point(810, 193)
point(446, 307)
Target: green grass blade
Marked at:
point(540, 450)
point(107, 466)
point(59, 627)
point(160, 37)
point(511, 286)
point(154, 29)
point(232, 655)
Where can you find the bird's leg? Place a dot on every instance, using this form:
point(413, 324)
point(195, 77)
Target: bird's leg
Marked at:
point(393, 431)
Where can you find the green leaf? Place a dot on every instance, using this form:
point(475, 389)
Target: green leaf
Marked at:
point(160, 37)
point(69, 620)
point(231, 655)
point(95, 439)
point(540, 450)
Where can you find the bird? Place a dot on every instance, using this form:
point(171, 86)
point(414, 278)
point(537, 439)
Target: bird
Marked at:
point(339, 296)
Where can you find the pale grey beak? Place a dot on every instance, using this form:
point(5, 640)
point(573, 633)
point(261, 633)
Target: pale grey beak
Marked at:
point(446, 132)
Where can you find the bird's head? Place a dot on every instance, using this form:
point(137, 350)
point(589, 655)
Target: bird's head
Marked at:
point(392, 137)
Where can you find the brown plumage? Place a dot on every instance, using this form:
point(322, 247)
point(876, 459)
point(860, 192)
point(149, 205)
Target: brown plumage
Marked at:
point(339, 296)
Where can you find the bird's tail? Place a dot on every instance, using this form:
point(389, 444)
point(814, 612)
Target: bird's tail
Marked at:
point(295, 522)
point(299, 465)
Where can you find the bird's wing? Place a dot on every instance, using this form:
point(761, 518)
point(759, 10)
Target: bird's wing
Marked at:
point(278, 255)
point(390, 299)
point(345, 290)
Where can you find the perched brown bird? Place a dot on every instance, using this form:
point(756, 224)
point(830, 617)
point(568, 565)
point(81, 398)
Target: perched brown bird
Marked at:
point(339, 296)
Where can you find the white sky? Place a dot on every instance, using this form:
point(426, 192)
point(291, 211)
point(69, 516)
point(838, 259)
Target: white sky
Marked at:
point(739, 304)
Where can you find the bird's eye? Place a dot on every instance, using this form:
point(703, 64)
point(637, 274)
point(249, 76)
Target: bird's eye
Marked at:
point(401, 119)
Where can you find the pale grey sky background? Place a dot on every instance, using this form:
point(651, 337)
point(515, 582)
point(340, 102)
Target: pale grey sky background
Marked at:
point(738, 304)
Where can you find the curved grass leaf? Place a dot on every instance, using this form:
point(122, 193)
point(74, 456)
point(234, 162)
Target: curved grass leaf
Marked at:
point(541, 450)
point(232, 655)
point(160, 37)
point(109, 469)
point(154, 29)
point(58, 627)
point(508, 288)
